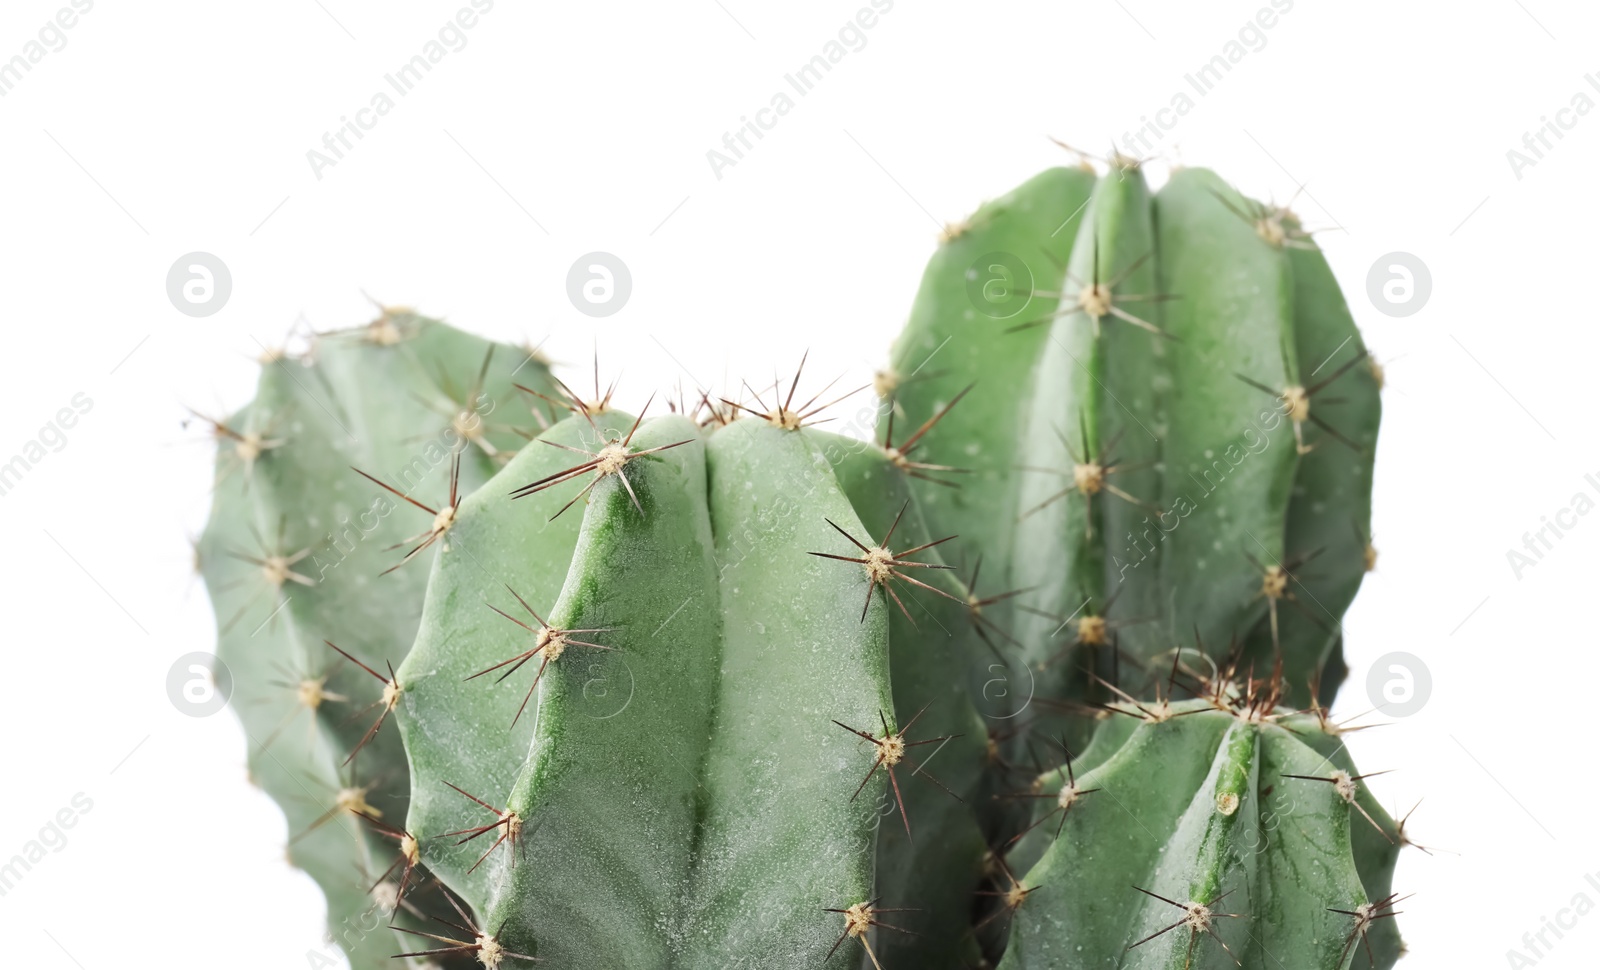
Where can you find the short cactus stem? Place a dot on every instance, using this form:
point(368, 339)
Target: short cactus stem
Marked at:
point(1227, 768)
point(291, 555)
point(1213, 288)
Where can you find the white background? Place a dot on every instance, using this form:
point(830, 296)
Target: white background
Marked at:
point(164, 128)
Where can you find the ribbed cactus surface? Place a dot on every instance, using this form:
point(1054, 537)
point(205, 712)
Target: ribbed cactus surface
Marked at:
point(1034, 678)
point(1170, 429)
point(295, 555)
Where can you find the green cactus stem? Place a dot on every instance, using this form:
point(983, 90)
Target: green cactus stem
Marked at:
point(307, 626)
point(1172, 441)
point(1222, 832)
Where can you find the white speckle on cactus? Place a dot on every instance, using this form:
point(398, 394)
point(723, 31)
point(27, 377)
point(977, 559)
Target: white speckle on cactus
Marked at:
point(490, 952)
point(386, 896)
point(879, 564)
point(1296, 403)
point(611, 458)
point(1346, 786)
point(355, 800)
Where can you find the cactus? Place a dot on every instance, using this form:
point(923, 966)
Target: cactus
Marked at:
point(292, 555)
point(1221, 831)
point(704, 689)
point(1184, 395)
point(939, 869)
point(715, 763)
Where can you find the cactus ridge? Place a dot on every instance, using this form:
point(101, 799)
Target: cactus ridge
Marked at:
point(1182, 394)
point(310, 634)
point(1224, 797)
point(724, 516)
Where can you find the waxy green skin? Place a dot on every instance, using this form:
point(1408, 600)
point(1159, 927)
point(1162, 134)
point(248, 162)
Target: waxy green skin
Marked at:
point(1217, 484)
point(953, 340)
point(384, 405)
point(937, 867)
point(1071, 399)
point(686, 799)
point(683, 795)
point(338, 852)
point(448, 720)
point(950, 342)
point(1330, 507)
point(1193, 807)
